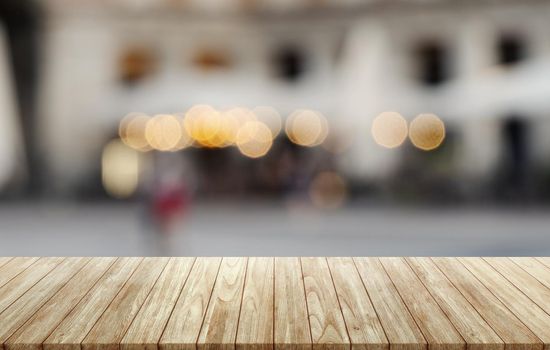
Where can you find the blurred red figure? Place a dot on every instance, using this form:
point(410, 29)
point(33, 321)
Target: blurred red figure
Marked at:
point(170, 203)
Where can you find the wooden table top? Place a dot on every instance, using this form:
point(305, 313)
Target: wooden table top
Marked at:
point(282, 303)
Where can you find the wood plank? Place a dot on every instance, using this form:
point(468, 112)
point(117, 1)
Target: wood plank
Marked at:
point(363, 325)
point(71, 331)
point(545, 261)
point(23, 308)
point(328, 330)
point(31, 335)
point(146, 329)
point(255, 331)
point(21, 278)
point(524, 308)
point(183, 327)
point(508, 327)
point(110, 328)
point(523, 281)
point(432, 321)
point(4, 260)
point(535, 268)
point(13, 267)
point(219, 329)
point(291, 329)
point(469, 323)
point(399, 325)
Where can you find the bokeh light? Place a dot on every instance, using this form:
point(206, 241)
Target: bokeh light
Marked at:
point(270, 117)
point(132, 131)
point(203, 123)
point(120, 167)
point(389, 129)
point(328, 190)
point(254, 139)
point(307, 128)
point(185, 140)
point(163, 132)
point(427, 132)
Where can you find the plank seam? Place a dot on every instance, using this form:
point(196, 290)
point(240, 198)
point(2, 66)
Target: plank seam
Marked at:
point(514, 285)
point(34, 284)
point(305, 298)
point(47, 300)
point(7, 261)
point(108, 305)
point(500, 300)
point(241, 304)
point(469, 302)
point(76, 304)
point(339, 304)
point(370, 300)
point(177, 300)
point(208, 304)
point(542, 262)
point(529, 273)
point(435, 300)
point(273, 305)
point(144, 301)
point(20, 272)
point(403, 301)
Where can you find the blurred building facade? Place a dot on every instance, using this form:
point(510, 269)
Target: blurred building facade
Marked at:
point(480, 66)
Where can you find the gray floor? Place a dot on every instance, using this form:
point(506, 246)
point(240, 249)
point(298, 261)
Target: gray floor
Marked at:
point(264, 229)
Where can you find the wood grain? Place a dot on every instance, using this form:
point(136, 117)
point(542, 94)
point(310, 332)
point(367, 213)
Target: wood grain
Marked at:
point(469, 323)
point(31, 335)
point(291, 324)
point(535, 268)
point(220, 324)
point(255, 331)
point(25, 307)
point(545, 261)
point(522, 306)
point(148, 325)
point(508, 327)
point(439, 332)
point(328, 330)
point(4, 260)
point(110, 328)
point(24, 279)
point(71, 331)
point(399, 325)
point(363, 325)
point(13, 267)
point(274, 303)
point(529, 285)
point(184, 325)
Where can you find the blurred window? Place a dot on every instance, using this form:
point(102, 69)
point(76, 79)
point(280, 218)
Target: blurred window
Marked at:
point(510, 49)
point(432, 63)
point(135, 64)
point(290, 63)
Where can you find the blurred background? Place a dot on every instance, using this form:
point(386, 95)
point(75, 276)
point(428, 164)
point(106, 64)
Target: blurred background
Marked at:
point(274, 127)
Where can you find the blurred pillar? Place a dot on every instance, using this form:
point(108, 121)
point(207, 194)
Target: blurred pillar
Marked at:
point(20, 19)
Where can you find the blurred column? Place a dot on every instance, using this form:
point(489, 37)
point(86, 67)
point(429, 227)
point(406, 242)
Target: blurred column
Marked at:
point(11, 149)
point(480, 132)
point(20, 19)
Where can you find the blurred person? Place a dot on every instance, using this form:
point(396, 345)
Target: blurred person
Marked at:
point(169, 200)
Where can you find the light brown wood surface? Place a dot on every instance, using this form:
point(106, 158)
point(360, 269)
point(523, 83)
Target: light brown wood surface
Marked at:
point(274, 303)
point(328, 330)
point(509, 328)
point(219, 328)
point(400, 327)
point(291, 324)
point(255, 329)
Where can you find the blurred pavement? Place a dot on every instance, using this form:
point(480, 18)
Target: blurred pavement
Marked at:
point(266, 229)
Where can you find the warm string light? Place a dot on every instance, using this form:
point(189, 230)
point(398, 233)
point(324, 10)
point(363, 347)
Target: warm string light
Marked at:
point(426, 131)
point(204, 126)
